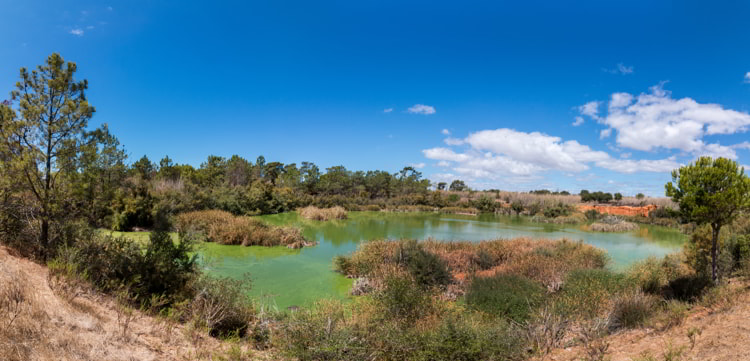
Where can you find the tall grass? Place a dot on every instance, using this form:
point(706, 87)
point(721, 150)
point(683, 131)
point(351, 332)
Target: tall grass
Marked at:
point(323, 214)
point(224, 228)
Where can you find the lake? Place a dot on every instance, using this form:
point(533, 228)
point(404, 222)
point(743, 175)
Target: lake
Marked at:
point(284, 277)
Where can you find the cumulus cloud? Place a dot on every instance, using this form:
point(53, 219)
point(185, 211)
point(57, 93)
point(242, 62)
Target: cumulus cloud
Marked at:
point(579, 121)
point(421, 109)
point(387, 110)
point(417, 165)
point(621, 69)
point(507, 152)
point(747, 77)
point(642, 165)
point(77, 32)
point(445, 132)
point(655, 120)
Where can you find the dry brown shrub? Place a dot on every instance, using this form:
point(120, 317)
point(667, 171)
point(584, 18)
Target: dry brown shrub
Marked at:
point(225, 228)
point(323, 214)
point(21, 319)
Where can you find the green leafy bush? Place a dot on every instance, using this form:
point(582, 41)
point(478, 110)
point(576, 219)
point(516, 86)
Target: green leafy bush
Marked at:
point(401, 298)
point(503, 295)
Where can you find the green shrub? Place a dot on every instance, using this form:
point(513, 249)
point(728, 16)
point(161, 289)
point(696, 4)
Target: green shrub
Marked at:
point(587, 292)
point(509, 296)
point(322, 333)
point(592, 214)
point(485, 204)
point(453, 340)
point(427, 269)
point(401, 298)
point(164, 268)
point(688, 288)
point(483, 260)
point(557, 210)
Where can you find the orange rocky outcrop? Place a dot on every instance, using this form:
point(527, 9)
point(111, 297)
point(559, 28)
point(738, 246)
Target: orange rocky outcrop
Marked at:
point(619, 210)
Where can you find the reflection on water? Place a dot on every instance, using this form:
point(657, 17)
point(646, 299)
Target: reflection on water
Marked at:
point(286, 277)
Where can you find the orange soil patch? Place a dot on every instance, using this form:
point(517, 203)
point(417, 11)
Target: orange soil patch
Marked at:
point(725, 335)
point(619, 210)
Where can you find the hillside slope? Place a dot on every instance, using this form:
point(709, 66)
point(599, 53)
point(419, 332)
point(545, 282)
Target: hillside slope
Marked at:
point(724, 334)
point(37, 323)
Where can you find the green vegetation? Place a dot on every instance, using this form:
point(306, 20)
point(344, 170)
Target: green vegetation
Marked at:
point(710, 191)
point(60, 182)
point(510, 296)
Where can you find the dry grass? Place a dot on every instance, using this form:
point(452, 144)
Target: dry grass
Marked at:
point(225, 228)
point(703, 333)
point(323, 214)
point(36, 324)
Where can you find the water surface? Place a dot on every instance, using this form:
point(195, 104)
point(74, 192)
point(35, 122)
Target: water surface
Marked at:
point(282, 277)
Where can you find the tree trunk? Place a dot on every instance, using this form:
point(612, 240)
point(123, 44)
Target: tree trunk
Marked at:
point(714, 253)
point(44, 238)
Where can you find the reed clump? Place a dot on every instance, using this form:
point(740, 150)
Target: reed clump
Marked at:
point(613, 224)
point(323, 214)
point(224, 228)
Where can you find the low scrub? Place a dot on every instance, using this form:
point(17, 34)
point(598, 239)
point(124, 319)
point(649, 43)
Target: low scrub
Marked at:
point(544, 261)
point(323, 214)
point(510, 296)
point(221, 305)
point(589, 293)
point(224, 228)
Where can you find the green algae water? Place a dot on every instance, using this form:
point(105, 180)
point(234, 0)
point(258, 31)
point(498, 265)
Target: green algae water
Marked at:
point(283, 277)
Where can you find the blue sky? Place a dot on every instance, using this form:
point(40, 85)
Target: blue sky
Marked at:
point(495, 87)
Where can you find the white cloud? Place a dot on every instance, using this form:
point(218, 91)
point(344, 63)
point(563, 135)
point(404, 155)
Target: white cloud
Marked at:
point(621, 69)
point(655, 120)
point(417, 165)
point(445, 154)
point(387, 110)
point(503, 152)
point(643, 165)
point(421, 109)
point(605, 133)
point(591, 109)
point(90, 27)
point(445, 132)
point(77, 32)
point(747, 77)
point(743, 145)
point(453, 141)
point(579, 121)
point(626, 155)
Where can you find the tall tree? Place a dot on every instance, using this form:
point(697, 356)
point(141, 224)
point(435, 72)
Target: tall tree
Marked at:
point(710, 191)
point(52, 116)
